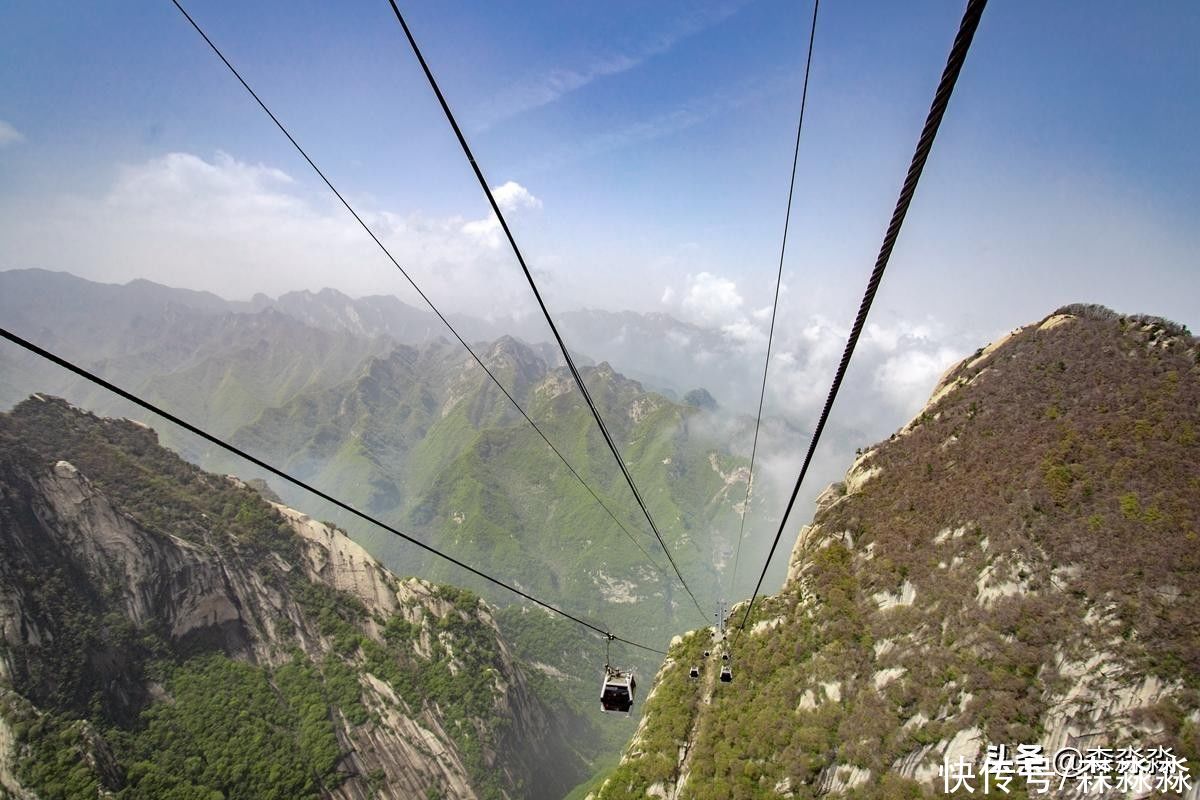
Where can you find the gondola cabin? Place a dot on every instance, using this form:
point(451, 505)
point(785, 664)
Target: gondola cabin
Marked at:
point(694, 673)
point(726, 674)
point(616, 696)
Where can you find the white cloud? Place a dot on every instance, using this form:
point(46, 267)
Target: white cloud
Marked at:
point(511, 196)
point(679, 338)
point(896, 363)
point(894, 369)
point(9, 134)
point(745, 332)
point(714, 302)
point(236, 228)
point(485, 231)
point(710, 299)
point(228, 193)
point(888, 337)
point(762, 314)
point(907, 377)
point(885, 339)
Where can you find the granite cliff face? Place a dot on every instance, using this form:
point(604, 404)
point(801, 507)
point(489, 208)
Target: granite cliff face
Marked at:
point(1019, 564)
point(135, 588)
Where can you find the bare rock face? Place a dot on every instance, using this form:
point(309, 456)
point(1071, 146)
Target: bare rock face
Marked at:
point(171, 581)
point(1017, 565)
point(100, 576)
point(341, 563)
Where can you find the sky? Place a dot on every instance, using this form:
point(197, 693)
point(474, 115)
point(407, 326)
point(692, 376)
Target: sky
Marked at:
point(641, 152)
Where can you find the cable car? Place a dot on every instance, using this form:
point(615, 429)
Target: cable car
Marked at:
point(724, 656)
point(694, 673)
point(726, 674)
point(617, 692)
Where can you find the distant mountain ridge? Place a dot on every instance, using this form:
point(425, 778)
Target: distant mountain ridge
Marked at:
point(642, 344)
point(374, 315)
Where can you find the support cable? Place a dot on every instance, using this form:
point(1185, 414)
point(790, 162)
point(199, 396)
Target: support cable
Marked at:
point(608, 439)
point(787, 217)
point(941, 99)
point(83, 373)
point(414, 285)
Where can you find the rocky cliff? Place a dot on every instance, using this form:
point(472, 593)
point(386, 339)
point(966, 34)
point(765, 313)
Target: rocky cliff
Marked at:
point(1020, 564)
point(165, 632)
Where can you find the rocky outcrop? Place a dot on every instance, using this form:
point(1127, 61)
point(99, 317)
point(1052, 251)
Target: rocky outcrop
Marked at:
point(201, 564)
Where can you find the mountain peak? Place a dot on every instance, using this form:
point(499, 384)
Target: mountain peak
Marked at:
point(700, 398)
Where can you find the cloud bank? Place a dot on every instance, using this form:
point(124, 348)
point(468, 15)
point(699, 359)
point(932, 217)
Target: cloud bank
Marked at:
point(236, 228)
point(895, 365)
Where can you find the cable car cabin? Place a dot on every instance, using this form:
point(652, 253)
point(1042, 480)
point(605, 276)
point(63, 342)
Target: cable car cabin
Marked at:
point(694, 672)
point(726, 674)
point(617, 694)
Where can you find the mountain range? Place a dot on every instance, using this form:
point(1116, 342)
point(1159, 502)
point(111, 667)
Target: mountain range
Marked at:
point(329, 387)
point(1017, 564)
point(417, 435)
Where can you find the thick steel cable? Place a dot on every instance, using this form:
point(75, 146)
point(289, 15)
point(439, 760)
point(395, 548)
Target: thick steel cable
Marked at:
point(414, 285)
point(83, 373)
point(487, 190)
point(787, 218)
point(954, 64)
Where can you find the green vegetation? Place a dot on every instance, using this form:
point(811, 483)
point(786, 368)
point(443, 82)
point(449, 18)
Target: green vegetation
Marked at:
point(140, 712)
point(673, 709)
point(231, 731)
point(423, 440)
point(54, 750)
point(1062, 524)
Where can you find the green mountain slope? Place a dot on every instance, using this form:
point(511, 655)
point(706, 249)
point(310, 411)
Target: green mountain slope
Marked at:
point(1018, 565)
point(425, 440)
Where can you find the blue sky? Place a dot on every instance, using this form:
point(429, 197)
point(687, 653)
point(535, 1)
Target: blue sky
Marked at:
point(652, 142)
point(642, 151)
